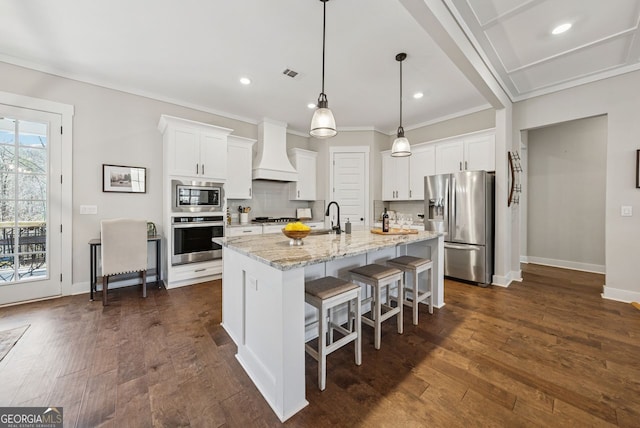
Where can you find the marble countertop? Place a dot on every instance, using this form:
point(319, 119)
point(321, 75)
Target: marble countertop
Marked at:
point(274, 249)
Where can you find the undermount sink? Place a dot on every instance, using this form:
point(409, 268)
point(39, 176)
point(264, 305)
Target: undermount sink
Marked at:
point(321, 232)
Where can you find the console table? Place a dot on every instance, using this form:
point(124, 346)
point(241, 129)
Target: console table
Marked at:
point(93, 248)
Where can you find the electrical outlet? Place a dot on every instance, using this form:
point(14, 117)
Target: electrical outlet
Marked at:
point(88, 209)
point(626, 211)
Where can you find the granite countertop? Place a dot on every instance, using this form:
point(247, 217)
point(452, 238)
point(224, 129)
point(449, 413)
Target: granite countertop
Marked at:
point(274, 249)
point(260, 223)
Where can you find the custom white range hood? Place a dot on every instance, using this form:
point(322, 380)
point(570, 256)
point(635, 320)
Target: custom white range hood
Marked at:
point(271, 162)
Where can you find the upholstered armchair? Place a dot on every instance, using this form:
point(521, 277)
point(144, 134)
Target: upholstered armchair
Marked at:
point(124, 250)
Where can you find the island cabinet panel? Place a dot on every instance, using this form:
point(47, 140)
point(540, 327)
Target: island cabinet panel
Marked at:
point(262, 310)
point(263, 307)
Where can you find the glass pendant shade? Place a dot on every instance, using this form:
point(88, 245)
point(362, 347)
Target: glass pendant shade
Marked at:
point(401, 146)
point(323, 125)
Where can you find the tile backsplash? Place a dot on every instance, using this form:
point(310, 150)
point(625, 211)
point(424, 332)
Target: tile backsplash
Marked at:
point(271, 199)
point(412, 208)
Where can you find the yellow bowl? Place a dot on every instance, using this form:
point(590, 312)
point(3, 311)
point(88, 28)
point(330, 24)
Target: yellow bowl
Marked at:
point(296, 234)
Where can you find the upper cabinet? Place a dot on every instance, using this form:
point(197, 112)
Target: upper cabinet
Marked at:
point(403, 177)
point(472, 153)
point(480, 153)
point(240, 162)
point(395, 177)
point(305, 163)
point(422, 163)
point(194, 149)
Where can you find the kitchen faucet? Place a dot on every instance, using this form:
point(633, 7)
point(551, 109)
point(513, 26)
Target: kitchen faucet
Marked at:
point(337, 227)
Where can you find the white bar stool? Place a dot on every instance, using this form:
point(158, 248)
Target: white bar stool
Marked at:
point(415, 265)
point(325, 294)
point(379, 277)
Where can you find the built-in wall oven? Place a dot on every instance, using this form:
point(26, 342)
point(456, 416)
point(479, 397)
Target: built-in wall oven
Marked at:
point(193, 239)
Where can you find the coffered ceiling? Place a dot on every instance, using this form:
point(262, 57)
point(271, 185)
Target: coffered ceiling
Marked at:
point(194, 52)
point(515, 37)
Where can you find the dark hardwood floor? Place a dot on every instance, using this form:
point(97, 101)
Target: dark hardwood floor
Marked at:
point(545, 352)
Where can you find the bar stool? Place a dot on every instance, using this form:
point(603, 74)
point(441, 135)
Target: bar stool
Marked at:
point(415, 266)
point(325, 294)
point(379, 277)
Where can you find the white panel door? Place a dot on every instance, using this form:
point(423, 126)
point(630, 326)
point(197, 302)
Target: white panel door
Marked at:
point(349, 176)
point(30, 208)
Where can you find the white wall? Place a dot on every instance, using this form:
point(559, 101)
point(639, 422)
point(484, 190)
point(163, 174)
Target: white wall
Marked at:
point(566, 179)
point(111, 127)
point(617, 98)
point(478, 121)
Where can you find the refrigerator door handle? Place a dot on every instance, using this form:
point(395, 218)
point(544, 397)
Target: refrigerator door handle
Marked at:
point(462, 247)
point(452, 203)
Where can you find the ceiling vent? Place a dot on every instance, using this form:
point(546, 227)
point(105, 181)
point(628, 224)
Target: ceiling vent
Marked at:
point(290, 73)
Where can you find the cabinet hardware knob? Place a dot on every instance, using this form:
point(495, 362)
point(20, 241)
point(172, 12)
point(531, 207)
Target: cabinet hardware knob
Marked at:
point(298, 193)
point(465, 165)
point(202, 169)
point(249, 191)
point(460, 165)
point(197, 169)
point(199, 270)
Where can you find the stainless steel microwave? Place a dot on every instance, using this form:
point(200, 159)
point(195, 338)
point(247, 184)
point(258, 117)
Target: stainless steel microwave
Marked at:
point(197, 196)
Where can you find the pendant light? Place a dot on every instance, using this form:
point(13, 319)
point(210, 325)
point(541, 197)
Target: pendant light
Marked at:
point(401, 145)
point(323, 125)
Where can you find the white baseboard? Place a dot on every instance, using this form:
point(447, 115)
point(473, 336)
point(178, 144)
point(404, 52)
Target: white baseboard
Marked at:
point(506, 280)
point(566, 264)
point(620, 295)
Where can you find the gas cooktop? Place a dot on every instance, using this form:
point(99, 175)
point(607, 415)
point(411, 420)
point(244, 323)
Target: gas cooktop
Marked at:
point(273, 220)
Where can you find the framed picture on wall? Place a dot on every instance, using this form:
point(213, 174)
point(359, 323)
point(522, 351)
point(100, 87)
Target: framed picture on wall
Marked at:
point(638, 169)
point(124, 179)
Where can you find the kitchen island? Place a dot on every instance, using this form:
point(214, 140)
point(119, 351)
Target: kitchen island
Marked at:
point(263, 307)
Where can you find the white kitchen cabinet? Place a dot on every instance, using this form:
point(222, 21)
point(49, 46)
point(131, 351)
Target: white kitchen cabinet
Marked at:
point(243, 230)
point(273, 228)
point(239, 164)
point(449, 157)
point(422, 163)
point(305, 163)
point(403, 177)
point(194, 272)
point(395, 177)
point(315, 225)
point(472, 153)
point(480, 153)
point(194, 149)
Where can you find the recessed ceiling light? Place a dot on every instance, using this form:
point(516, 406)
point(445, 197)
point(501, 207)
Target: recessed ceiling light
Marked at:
point(561, 28)
point(311, 105)
point(418, 95)
point(245, 80)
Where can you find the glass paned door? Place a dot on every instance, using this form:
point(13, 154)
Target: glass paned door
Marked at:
point(26, 209)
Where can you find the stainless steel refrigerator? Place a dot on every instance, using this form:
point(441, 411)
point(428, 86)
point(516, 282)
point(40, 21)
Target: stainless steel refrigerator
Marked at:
point(460, 205)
